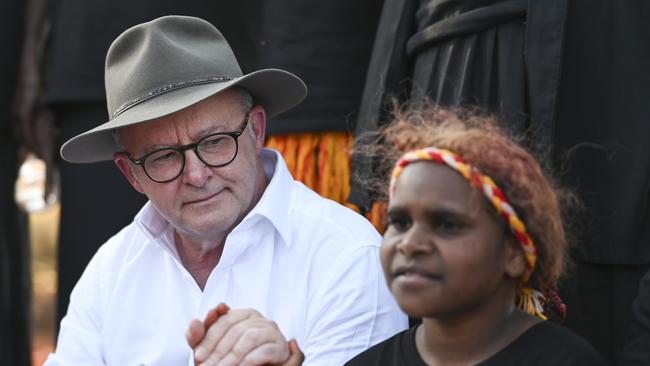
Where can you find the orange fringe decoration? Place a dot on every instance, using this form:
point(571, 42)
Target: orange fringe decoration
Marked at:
point(321, 160)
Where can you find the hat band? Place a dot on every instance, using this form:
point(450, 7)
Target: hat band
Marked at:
point(166, 89)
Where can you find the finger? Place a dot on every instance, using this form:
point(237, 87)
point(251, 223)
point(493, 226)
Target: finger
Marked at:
point(297, 357)
point(217, 330)
point(243, 337)
point(267, 354)
point(215, 313)
point(195, 332)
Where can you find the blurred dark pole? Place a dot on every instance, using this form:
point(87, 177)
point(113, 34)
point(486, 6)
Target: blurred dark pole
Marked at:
point(15, 278)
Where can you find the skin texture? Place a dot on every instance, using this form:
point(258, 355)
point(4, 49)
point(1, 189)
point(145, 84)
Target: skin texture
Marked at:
point(449, 259)
point(203, 205)
point(232, 345)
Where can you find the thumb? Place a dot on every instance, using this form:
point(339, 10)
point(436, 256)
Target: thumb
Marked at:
point(296, 357)
point(195, 332)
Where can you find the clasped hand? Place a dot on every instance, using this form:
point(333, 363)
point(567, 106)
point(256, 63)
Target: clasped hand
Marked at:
point(240, 337)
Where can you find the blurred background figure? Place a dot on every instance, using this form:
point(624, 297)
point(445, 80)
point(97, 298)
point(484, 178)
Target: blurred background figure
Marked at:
point(572, 76)
point(15, 279)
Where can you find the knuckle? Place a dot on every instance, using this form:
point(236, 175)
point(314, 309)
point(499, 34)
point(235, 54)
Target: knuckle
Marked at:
point(254, 335)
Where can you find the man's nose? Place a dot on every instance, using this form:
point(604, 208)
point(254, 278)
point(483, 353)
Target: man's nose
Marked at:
point(195, 172)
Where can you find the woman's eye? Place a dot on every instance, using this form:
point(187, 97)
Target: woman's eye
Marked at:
point(447, 226)
point(399, 223)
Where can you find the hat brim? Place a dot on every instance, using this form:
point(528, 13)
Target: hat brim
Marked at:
point(276, 90)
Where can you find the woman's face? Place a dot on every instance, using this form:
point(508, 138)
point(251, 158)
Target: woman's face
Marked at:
point(445, 252)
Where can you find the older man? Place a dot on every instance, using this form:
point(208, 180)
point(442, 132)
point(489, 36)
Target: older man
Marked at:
point(225, 222)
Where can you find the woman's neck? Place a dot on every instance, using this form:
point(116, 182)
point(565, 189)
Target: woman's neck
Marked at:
point(472, 338)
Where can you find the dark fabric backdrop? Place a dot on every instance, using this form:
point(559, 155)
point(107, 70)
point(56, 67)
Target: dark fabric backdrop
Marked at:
point(15, 276)
point(327, 44)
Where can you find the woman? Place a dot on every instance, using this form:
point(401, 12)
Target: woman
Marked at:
point(474, 246)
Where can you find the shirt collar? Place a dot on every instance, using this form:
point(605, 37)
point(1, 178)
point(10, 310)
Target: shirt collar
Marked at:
point(276, 201)
point(274, 205)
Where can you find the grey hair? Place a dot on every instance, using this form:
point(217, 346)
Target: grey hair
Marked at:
point(246, 99)
point(118, 139)
point(247, 104)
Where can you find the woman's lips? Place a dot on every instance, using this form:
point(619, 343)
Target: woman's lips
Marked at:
point(412, 276)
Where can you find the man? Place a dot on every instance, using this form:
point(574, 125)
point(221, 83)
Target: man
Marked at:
point(225, 223)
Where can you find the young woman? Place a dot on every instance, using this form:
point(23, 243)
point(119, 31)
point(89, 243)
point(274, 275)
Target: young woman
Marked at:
point(474, 246)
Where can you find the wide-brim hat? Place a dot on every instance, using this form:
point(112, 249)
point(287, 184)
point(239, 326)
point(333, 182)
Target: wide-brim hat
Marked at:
point(163, 66)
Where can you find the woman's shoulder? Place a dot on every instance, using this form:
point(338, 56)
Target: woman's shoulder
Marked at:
point(398, 350)
point(547, 343)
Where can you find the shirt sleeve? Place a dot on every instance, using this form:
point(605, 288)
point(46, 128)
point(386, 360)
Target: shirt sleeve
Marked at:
point(79, 341)
point(351, 310)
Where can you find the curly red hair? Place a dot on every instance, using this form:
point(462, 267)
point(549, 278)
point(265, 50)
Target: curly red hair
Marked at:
point(482, 143)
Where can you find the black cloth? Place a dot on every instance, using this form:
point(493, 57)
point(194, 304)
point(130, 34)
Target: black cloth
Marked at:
point(15, 269)
point(637, 346)
point(598, 298)
point(602, 119)
point(96, 201)
point(602, 123)
point(543, 344)
point(327, 44)
point(502, 56)
point(15, 275)
point(82, 31)
point(12, 25)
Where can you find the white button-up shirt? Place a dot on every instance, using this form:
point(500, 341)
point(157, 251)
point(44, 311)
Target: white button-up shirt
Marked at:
point(304, 261)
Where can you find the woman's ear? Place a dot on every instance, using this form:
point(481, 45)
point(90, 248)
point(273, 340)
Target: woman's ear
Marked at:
point(123, 163)
point(515, 263)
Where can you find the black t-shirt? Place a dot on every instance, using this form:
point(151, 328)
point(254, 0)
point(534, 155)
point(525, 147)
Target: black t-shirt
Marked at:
point(543, 344)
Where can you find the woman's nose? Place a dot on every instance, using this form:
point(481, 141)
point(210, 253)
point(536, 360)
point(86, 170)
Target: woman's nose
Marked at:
point(416, 241)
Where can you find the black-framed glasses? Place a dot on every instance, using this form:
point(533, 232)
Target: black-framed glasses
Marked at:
point(214, 150)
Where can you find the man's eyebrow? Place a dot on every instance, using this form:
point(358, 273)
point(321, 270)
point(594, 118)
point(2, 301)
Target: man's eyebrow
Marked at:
point(151, 148)
point(210, 130)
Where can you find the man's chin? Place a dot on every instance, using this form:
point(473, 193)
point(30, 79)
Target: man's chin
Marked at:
point(213, 229)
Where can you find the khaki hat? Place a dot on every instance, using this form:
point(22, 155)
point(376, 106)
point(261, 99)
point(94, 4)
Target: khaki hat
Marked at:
point(160, 67)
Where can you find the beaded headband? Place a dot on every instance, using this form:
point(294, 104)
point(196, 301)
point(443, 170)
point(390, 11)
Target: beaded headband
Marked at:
point(486, 184)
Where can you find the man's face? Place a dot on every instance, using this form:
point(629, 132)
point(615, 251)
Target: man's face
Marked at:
point(202, 202)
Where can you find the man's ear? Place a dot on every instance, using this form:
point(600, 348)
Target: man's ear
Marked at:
point(515, 263)
point(258, 120)
point(122, 161)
